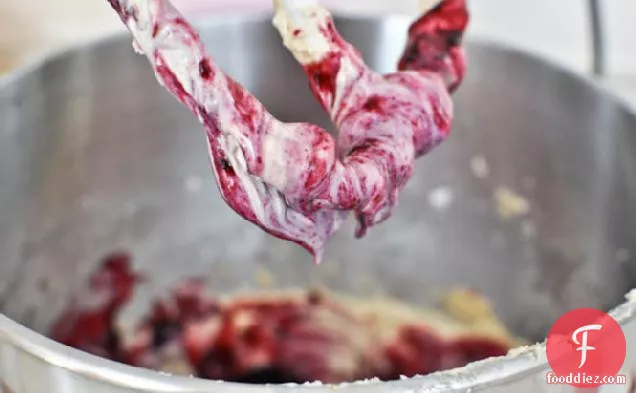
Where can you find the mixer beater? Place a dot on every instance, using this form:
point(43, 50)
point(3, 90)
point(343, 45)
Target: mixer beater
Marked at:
point(294, 180)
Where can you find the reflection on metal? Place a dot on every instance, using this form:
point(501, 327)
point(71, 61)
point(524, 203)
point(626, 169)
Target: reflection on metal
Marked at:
point(597, 37)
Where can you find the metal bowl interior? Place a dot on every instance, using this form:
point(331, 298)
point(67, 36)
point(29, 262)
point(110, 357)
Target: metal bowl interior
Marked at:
point(95, 156)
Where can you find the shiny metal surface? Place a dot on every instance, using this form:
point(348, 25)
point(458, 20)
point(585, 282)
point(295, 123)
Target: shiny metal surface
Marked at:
point(96, 156)
point(597, 36)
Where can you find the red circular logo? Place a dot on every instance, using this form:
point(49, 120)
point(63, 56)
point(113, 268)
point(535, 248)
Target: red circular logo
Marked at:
point(585, 347)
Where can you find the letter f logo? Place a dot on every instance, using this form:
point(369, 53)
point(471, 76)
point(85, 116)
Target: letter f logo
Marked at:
point(583, 343)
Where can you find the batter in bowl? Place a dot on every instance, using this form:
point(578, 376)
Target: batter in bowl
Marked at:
point(277, 337)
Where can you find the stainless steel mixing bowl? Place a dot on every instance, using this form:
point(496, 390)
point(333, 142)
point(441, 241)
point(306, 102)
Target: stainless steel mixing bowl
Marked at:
point(95, 156)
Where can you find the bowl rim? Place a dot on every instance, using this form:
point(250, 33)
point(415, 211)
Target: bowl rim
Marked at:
point(519, 363)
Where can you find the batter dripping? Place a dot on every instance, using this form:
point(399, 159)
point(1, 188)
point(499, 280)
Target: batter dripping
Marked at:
point(294, 180)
